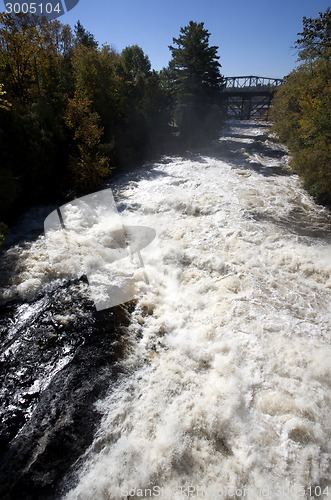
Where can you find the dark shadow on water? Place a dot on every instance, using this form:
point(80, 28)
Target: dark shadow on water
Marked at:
point(298, 222)
point(195, 156)
point(29, 226)
point(136, 174)
point(247, 124)
point(259, 146)
point(241, 154)
point(268, 171)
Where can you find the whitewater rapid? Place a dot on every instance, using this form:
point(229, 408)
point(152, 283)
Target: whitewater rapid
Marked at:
point(226, 391)
point(228, 374)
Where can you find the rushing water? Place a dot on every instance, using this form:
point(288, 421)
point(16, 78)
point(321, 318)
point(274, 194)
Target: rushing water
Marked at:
point(226, 384)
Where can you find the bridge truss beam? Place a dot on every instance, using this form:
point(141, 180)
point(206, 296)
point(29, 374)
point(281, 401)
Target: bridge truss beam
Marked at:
point(246, 97)
point(241, 82)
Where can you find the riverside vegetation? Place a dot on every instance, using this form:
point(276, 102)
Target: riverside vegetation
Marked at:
point(302, 108)
point(72, 112)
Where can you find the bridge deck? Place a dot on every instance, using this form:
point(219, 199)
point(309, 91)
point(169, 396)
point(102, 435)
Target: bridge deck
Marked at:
point(262, 90)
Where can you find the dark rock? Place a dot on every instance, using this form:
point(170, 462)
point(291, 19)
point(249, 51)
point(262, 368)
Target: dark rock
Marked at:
point(58, 357)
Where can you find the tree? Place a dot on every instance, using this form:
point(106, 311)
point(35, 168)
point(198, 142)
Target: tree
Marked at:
point(97, 79)
point(87, 164)
point(18, 47)
point(196, 80)
point(31, 55)
point(84, 37)
point(33, 136)
point(135, 64)
point(4, 103)
point(302, 109)
point(145, 120)
point(315, 38)
point(70, 111)
point(8, 184)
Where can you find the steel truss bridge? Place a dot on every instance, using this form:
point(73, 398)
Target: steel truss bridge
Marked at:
point(248, 97)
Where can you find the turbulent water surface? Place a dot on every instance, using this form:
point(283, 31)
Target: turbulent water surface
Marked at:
point(225, 385)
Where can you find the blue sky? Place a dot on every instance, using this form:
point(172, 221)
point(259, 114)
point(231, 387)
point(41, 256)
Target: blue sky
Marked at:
point(254, 36)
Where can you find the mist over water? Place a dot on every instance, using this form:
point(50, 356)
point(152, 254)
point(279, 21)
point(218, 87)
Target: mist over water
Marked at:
point(227, 376)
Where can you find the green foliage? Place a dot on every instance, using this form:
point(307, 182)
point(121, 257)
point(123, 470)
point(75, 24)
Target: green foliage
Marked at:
point(31, 53)
point(87, 166)
point(146, 115)
point(4, 104)
point(71, 111)
point(195, 71)
point(84, 37)
point(33, 138)
point(96, 78)
point(302, 109)
point(135, 64)
point(315, 38)
point(75, 109)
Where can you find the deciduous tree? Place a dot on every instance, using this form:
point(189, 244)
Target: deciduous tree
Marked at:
point(315, 39)
point(87, 164)
point(302, 109)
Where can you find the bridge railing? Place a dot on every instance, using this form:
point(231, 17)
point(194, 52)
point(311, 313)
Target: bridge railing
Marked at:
point(244, 82)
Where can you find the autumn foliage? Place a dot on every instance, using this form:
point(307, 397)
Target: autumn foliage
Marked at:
point(302, 108)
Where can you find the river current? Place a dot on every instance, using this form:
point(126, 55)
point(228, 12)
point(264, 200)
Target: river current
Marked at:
point(225, 384)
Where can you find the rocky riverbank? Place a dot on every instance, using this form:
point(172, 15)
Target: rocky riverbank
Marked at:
point(58, 356)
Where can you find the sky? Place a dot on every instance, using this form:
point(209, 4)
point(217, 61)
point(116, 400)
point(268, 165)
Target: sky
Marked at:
point(254, 36)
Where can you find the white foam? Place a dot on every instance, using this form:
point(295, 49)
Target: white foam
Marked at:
point(228, 388)
point(234, 390)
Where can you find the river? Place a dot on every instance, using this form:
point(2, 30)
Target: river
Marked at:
point(222, 382)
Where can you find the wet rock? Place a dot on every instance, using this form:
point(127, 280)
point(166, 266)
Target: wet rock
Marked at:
point(58, 357)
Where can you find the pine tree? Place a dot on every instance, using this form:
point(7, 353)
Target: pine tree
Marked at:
point(197, 81)
point(84, 37)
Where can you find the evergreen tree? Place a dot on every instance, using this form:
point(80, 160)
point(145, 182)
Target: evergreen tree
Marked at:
point(197, 81)
point(84, 37)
